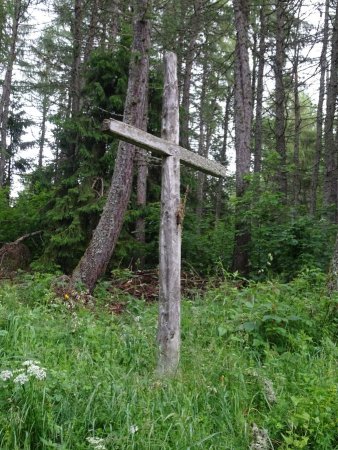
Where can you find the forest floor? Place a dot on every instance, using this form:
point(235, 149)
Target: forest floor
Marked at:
point(258, 369)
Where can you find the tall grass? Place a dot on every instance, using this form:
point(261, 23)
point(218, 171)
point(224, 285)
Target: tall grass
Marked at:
point(235, 343)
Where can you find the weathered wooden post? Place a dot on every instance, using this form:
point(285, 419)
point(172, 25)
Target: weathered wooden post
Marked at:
point(168, 336)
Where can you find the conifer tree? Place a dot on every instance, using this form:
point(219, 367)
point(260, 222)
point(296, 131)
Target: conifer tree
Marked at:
point(96, 258)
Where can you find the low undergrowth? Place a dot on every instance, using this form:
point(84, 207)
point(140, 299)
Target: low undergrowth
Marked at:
point(258, 358)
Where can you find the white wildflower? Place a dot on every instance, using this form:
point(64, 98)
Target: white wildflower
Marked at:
point(6, 375)
point(260, 438)
point(21, 379)
point(30, 362)
point(269, 391)
point(133, 429)
point(38, 372)
point(97, 443)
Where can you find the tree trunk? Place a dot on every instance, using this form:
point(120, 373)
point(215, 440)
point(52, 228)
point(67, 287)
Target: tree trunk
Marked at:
point(330, 180)
point(113, 9)
point(201, 178)
point(7, 89)
point(202, 145)
point(141, 200)
point(96, 258)
point(254, 73)
point(92, 31)
point(243, 113)
point(298, 120)
point(280, 98)
point(168, 336)
point(319, 120)
point(223, 155)
point(186, 94)
point(332, 284)
point(258, 137)
point(189, 61)
point(42, 138)
point(69, 153)
point(141, 158)
point(75, 88)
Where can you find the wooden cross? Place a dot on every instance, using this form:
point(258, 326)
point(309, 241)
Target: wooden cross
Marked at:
point(168, 336)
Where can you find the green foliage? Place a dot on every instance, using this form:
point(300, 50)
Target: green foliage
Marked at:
point(284, 242)
point(208, 245)
point(25, 215)
point(87, 161)
point(100, 380)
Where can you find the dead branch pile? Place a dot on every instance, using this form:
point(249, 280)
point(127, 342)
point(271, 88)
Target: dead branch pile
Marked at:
point(15, 256)
point(144, 284)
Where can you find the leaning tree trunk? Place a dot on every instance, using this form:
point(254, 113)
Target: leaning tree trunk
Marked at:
point(243, 111)
point(96, 258)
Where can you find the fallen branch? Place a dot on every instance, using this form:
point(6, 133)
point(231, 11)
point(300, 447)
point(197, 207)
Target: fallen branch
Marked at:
point(26, 236)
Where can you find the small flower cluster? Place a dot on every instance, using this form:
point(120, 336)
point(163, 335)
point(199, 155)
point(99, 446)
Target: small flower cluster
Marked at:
point(133, 429)
point(22, 376)
point(6, 375)
point(97, 443)
point(269, 391)
point(260, 438)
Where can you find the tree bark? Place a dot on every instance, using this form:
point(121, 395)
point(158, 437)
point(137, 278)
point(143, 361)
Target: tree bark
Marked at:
point(189, 61)
point(243, 112)
point(75, 88)
point(141, 200)
point(186, 95)
point(7, 88)
point(319, 119)
point(298, 120)
point(330, 156)
point(42, 138)
point(96, 258)
point(168, 336)
point(141, 158)
point(258, 137)
point(92, 31)
point(202, 144)
point(280, 98)
point(223, 155)
point(332, 283)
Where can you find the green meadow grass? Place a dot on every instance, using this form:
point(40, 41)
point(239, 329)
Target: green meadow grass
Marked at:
point(236, 345)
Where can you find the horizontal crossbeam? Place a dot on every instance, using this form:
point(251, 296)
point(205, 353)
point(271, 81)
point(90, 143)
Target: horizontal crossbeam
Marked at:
point(161, 147)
